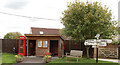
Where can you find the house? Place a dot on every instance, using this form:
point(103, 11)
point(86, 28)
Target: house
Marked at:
point(44, 40)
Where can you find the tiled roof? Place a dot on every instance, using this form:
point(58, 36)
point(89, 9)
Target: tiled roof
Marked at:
point(46, 31)
point(65, 38)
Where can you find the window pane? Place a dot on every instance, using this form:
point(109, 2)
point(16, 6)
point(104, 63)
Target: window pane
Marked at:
point(44, 43)
point(39, 43)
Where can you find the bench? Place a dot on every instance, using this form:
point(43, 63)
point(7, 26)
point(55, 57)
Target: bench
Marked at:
point(74, 54)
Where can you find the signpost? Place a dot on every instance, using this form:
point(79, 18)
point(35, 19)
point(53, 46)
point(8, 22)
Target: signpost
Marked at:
point(96, 43)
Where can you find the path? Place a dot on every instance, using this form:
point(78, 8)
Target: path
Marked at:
point(33, 59)
point(110, 60)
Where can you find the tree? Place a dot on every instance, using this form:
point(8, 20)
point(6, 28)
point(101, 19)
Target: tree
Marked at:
point(12, 35)
point(83, 21)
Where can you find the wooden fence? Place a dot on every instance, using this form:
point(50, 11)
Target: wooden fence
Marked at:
point(108, 52)
point(9, 44)
point(71, 45)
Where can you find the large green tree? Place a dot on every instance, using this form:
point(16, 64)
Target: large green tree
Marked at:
point(12, 35)
point(83, 21)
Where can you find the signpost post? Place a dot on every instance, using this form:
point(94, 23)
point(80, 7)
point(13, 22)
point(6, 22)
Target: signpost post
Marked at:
point(96, 43)
point(97, 36)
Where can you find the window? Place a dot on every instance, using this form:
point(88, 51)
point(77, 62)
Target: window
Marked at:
point(41, 32)
point(39, 43)
point(43, 43)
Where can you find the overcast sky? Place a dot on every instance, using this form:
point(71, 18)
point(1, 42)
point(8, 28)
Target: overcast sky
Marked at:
point(50, 9)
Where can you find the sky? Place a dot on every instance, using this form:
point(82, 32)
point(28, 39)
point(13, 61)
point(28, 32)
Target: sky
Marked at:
point(48, 9)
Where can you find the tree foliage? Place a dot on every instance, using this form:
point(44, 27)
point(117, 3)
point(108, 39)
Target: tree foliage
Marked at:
point(84, 20)
point(12, 35)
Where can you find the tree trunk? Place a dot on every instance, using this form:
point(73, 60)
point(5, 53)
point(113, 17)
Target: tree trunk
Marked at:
point(87, 47)
point(70, 45)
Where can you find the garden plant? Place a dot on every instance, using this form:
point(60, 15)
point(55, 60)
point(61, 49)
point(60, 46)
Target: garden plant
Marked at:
point(47, 57)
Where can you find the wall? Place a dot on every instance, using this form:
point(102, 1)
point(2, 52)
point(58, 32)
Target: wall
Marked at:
point(41, 51)
point(61, 50)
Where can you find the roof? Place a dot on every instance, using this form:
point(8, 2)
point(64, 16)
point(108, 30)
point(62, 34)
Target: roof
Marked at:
point(65, 38)
point(39, 35)
point(46, 31)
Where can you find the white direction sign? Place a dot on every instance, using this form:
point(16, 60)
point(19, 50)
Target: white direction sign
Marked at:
point(100, 42)
point(106, 40)
point(90, 42)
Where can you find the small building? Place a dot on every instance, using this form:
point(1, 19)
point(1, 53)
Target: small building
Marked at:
point(44, 40)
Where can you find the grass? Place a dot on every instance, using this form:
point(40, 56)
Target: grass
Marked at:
point(83, 61)
point(8, 58)
point(74, 60)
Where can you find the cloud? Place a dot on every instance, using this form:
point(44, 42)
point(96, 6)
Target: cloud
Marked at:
point(16, 4)
point(14, 27)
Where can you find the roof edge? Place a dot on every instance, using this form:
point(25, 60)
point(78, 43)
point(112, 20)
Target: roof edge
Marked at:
point(45, 28)
point(39, 35)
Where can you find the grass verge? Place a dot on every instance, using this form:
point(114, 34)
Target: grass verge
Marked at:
point(83, 61)
point(74, 60)
point(8, 58)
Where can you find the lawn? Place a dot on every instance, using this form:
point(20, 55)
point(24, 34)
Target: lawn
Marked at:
point(74, 60)
point(8, 58)
point(83, 61)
